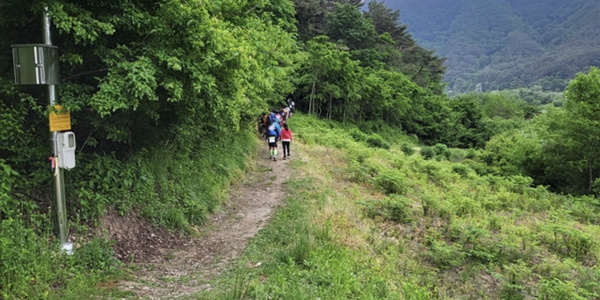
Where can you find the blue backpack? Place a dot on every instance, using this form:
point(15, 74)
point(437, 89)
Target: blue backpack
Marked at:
point(272, 118)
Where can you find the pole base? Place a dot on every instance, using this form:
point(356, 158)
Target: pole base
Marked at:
point(67, 248)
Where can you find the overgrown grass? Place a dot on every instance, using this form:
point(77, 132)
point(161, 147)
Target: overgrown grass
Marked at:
point(175, 186)
point(371, 223)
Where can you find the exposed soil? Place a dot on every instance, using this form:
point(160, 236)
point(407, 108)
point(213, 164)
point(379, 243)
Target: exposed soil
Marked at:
point(172, 266)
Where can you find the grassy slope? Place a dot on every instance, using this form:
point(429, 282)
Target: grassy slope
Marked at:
point(175, 188)
point(366, 223)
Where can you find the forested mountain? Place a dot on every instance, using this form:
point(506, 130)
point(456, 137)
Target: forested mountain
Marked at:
point(506, 43)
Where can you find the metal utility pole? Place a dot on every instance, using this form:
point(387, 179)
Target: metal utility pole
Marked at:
point(59, 179)
point(37, 64)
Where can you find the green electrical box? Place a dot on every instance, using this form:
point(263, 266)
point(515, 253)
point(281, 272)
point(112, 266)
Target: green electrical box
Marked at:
point(35, 64)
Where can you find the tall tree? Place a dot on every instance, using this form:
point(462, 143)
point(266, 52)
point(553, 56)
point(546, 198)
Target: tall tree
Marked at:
point(136, 74)
point(311, 15)
point(388, 20)
point(347, 25)
point(329, 74)
point(583, 107)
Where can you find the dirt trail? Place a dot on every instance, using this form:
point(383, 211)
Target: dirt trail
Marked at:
point(177, 268)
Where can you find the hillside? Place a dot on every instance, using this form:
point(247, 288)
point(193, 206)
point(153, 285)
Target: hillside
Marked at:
point(362, 222)
point(506, 43)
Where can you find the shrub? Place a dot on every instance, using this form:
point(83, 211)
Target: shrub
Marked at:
point(457, 155)
point(407, 149)
point(557, 289)
point(357, 135)
point(97, 254)
point(472, 154)
point(571, 242)
point(427, 152)
point(446, 256)
point(461, 170)
point(376, 141)
point(479, 168)
point(393, 208)
point(391, 182)
point(440, 148)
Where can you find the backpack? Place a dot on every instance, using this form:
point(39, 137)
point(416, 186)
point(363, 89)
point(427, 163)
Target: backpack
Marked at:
point(271, 131)
point(272, 118)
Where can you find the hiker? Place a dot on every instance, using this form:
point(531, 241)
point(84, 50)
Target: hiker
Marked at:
point(261, 124)
point(290, 106)
point(286, 139)
point(272, 135)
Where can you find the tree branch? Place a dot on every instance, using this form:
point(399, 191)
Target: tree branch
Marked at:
point(85, 73)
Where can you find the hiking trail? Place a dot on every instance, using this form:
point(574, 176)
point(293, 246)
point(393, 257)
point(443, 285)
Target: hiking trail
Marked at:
point(171, 267)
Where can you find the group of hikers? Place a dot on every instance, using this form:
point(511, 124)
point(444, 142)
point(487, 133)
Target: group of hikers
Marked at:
point(275, 128)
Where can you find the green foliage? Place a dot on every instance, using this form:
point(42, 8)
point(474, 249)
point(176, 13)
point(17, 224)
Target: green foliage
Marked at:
point(347, 25)
point(557, 289)
point(96, 255)
point(391, 182)
point(161, 96)
point(448, 230)
point(407, 149)
point(445, 256)
point(393, 208)
point(376, 141)
point(442, 150)
point(427, 152)
point(358, 135)
point(460, 169)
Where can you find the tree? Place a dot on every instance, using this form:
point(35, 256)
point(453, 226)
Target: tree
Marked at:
point(346, 25)
point(583, 107)
point(329, 74)
point(388, 20)
point(138, 74)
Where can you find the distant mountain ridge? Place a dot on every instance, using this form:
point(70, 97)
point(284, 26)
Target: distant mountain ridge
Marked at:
point(506, 43)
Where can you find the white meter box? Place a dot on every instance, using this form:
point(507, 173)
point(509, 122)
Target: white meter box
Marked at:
point(66, 150)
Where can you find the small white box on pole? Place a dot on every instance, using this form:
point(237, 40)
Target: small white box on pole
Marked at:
point(66, 150)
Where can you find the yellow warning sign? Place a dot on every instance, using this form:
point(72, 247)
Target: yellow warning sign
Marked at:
point(60, 120)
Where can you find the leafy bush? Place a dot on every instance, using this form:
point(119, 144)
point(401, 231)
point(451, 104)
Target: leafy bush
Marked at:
point(460, 169)
point(97, 254)
point(358, 135)
point(427, 152)
point(445, 255)
point(393, 208)
point(391, 182)
point(555, 288)
point(571, 242)
point(457, 155)
point(407, 149)
point(376, 141)
point(440, 148)
point(472, 154)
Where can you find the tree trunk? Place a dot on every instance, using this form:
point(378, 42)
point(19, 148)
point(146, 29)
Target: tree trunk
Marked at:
point(311, 103)
point(590, 170)
point(329, 111)
point(344, 115)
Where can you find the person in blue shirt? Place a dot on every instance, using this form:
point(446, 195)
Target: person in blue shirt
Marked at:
point(272, 136)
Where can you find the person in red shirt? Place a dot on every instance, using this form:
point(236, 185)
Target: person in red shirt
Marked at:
point(286, 139)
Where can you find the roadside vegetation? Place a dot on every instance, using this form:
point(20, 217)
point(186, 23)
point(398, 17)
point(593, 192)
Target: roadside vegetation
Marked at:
point(365, 222)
